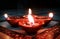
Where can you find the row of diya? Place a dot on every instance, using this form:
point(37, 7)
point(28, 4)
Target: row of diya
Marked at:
point(30, 23)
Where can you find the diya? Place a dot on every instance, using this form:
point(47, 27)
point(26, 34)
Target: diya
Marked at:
point(12, 20)
point(30, 23)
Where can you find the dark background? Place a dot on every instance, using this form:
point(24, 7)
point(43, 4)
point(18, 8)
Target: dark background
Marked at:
point(14, 4)
point(38, 6)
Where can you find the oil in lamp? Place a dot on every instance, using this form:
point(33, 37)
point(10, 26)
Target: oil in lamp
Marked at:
point(32, 23)
point(11, 20)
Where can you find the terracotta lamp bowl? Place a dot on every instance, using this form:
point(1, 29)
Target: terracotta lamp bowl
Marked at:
point(32, 29)
point(24, 23)
point(13, 21)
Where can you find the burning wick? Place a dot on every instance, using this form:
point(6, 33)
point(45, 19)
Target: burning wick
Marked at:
point(51, 14)
point(30, 18)
point(5, 15)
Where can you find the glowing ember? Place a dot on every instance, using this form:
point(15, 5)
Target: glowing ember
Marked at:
point(5, 15)
point(51, 14)
point(30, 17)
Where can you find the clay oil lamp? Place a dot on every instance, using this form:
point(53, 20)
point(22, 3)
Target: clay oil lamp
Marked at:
point(32, 23)
point(12, 20)
point(48, 18)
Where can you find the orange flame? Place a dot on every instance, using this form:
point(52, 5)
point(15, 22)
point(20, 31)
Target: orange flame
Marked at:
point(6, 15)
point(30, 17)
point(51, 14)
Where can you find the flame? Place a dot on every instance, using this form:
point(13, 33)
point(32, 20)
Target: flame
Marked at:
point(51, 14)
point(30, 17)
point(6, 15)
point(30, 11)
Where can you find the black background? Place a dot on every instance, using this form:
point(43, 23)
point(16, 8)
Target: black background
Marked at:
point(14, 4)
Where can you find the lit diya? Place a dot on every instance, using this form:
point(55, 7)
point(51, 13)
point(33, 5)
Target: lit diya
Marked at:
point(12, 20)
point(32, 23)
